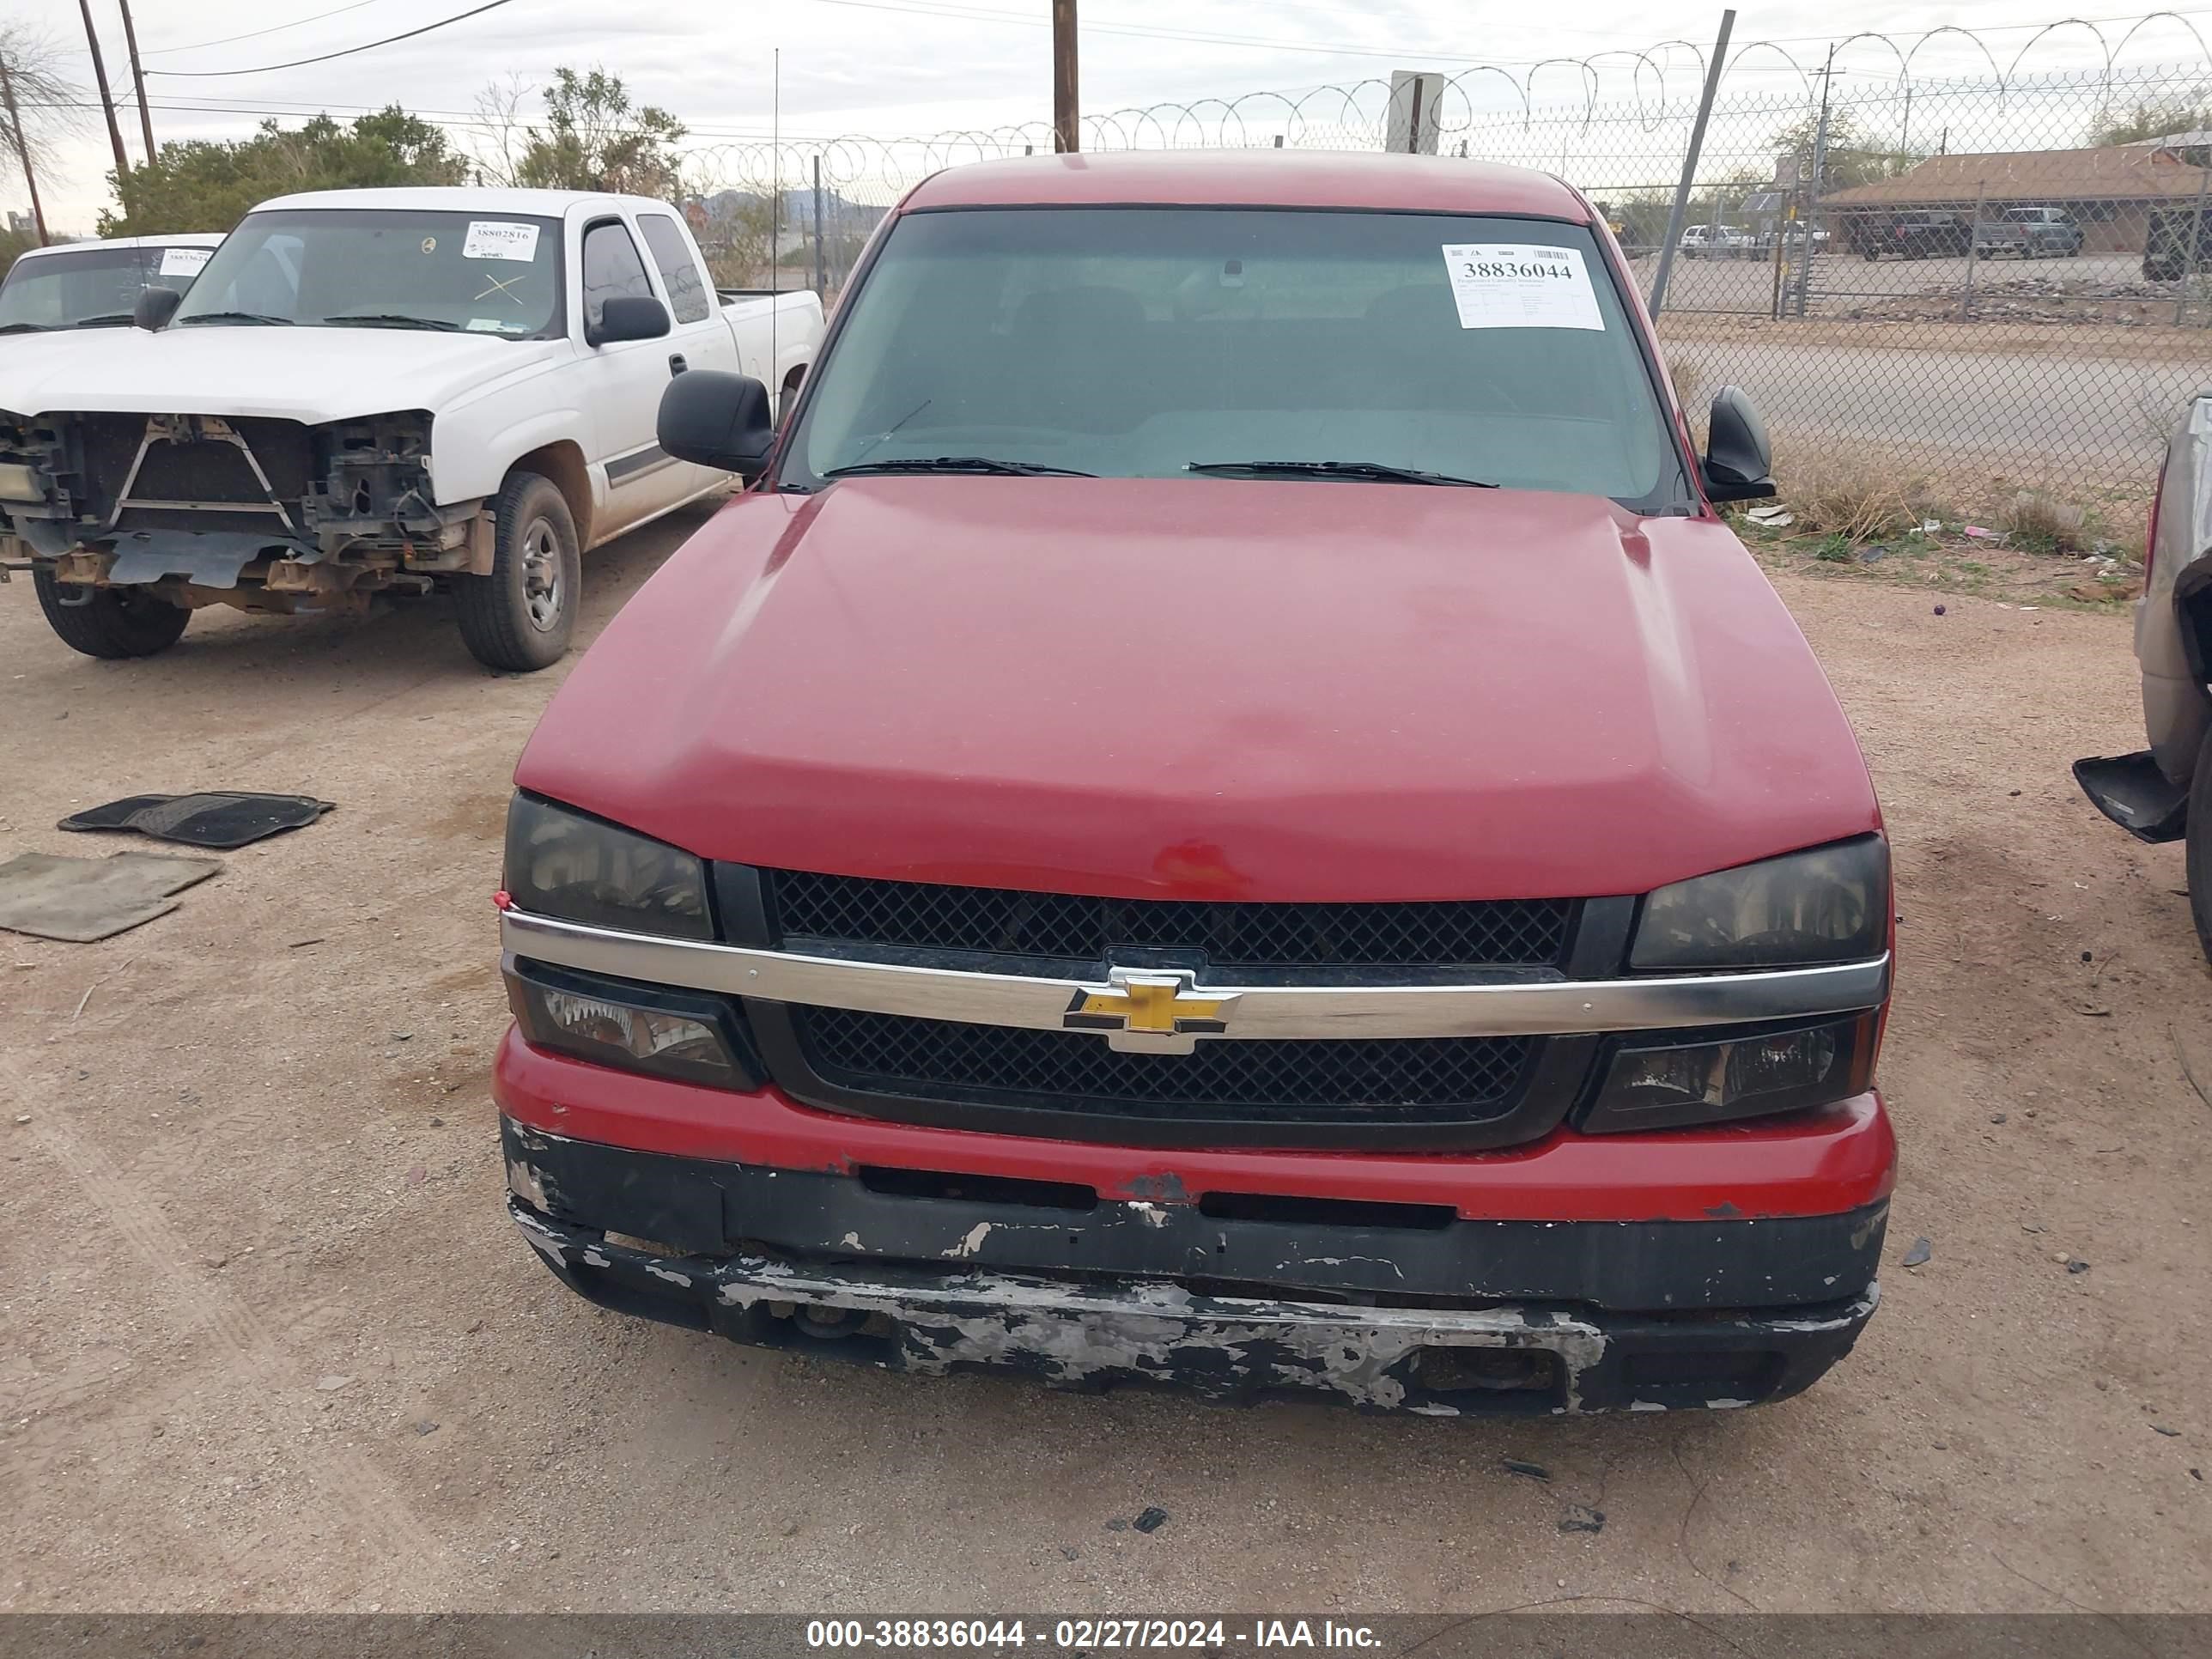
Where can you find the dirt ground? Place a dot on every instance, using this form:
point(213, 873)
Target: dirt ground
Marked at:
point(268, 1342)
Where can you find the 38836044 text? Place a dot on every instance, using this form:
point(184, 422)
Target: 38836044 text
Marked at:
point(1091, 1635)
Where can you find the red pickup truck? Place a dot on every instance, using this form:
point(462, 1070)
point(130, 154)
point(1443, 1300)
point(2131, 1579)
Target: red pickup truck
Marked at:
point(1223, 811)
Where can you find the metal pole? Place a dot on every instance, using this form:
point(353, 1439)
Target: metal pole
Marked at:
point(774, 225)
point(1066, 132)
point(138, 79)
point(1690, 167)
point(1812, 191)
point(108, 103)
point(1783, 233)
point(1973, 249)
point(818, 285)
point(22, 150)
point(2189, 259)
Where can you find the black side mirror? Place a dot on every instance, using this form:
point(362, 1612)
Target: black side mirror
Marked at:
point(628, 316)
point(1738, 458)
point(711, 418)
point(156, 306)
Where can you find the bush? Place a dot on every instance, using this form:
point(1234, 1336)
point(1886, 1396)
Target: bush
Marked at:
point(1854, 495)
point(2039, 522)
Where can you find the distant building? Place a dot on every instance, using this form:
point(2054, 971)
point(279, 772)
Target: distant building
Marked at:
point(2112, 192)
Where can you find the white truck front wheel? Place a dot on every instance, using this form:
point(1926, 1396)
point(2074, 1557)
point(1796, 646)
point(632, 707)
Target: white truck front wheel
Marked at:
point(521, 617)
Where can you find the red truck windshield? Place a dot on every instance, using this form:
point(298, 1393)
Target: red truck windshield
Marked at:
point(1135, 342)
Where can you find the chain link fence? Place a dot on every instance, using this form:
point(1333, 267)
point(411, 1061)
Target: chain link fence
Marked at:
point(1997, 281)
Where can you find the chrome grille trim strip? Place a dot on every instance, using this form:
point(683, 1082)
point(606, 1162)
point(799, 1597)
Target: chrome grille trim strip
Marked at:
point(1306, 1010)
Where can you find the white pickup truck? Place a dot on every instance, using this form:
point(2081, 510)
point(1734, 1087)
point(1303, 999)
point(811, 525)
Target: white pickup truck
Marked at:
point(378, 391)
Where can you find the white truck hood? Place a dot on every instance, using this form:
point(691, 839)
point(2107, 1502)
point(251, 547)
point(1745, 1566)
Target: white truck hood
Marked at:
point(310, 374)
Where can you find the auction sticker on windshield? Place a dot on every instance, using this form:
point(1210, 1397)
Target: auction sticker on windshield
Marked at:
point(1520, 285)
point(184, 261)
point(493, 238)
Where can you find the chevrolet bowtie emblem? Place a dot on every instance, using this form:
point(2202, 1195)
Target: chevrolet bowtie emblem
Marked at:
point(1150, 1012)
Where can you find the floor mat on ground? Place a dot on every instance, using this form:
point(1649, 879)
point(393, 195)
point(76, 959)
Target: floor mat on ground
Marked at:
point(80, 900)
point(220, 819)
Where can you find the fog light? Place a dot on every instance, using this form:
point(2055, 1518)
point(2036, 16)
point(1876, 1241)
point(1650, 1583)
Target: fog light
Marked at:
point(1669, 1084)
point(635, 1028)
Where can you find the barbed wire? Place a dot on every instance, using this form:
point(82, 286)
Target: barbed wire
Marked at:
point(1660, 84)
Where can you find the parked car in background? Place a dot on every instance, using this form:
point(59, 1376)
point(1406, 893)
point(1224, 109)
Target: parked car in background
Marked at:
point(1919, 236)
point(2177, 241)
point(96, 284)
point(379, 391)
point(1115, 874)
point(1717, 242)
point(2164, 792)
point(2028, 233)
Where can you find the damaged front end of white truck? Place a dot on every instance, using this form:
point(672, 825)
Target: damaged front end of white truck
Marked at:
point(118, 514)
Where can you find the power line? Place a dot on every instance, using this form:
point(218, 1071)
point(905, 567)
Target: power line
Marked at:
point(369, 45)
point(255, 34)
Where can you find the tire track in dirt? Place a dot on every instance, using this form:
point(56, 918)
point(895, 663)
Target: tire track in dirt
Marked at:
point(385, 1521)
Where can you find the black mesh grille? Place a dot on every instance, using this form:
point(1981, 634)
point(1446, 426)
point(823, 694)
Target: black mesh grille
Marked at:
point(925, 916)
point(1412, 1080)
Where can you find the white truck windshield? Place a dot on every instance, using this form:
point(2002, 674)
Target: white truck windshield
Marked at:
point(384, 268)
point(1144, 343)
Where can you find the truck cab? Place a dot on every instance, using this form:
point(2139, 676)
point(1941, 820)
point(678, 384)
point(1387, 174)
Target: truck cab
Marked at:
point(1225, 811)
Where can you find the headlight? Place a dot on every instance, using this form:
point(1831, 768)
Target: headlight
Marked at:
point(1828, 904)
point(563, 864)
point(633, 1027)
point(1673, 1080)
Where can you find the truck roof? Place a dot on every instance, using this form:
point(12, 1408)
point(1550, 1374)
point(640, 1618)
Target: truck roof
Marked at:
point(1254, 178)
point(173, 238)
point(460, 198)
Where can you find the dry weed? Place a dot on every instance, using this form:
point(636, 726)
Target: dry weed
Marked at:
point(1854, 493)
point(2040, 522)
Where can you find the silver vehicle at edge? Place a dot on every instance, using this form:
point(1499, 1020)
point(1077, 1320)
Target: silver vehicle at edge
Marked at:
point(2164, 792)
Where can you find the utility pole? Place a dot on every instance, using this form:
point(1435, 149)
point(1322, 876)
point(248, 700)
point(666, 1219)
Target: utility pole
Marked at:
point(1067, 128)
point(138, 79)
point(22, 150)
point(1675, 214)
point(107, 104)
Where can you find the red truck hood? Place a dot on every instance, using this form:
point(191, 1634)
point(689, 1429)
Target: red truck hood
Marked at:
point(1209, 688)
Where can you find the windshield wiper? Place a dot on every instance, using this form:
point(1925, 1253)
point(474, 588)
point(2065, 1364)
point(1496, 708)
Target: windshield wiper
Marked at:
point(390, 319)
point(233, 317)
point(1373, 472)
point(24, 328)
point(106, 320)
point(955, 463)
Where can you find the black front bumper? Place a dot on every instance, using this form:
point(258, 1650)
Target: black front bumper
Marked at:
point(1465, 1316)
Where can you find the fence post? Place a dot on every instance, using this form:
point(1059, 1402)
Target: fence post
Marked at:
point(1783, 233)
point(1973, 249)
point(2189, 259)
point(818, 288)
point(1690, 167)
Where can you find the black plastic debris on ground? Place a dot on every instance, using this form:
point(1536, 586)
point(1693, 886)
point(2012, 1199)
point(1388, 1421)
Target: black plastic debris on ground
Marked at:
point(1152, 1519)
point(219, 819)
point(1534, 1471)
point(1918, 1255)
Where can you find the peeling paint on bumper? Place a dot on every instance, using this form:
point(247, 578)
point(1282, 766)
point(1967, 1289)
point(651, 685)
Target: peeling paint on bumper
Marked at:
point(1093, 1335)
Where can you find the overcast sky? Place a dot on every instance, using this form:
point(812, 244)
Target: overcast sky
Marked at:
point(892, 68)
